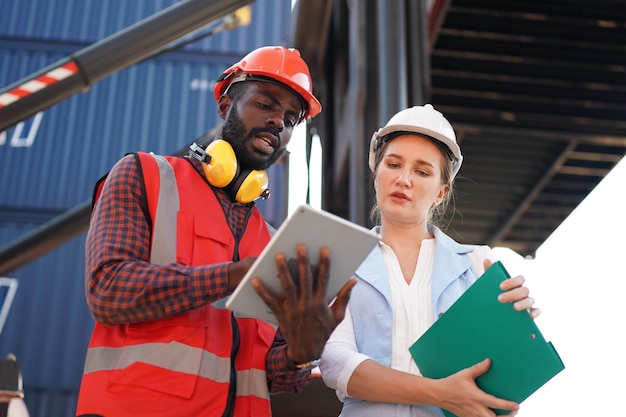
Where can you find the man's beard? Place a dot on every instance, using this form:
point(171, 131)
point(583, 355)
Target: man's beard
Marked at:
point(234, 132)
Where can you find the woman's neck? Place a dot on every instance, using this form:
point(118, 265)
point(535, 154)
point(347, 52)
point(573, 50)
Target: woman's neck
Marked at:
point(402, 234)
point(406, 243)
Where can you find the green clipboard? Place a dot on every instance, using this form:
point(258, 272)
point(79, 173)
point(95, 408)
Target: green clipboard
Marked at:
point(477, 326)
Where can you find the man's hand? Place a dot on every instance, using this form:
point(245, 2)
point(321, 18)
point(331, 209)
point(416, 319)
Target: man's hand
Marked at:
point(236, 272)
point(303, 315)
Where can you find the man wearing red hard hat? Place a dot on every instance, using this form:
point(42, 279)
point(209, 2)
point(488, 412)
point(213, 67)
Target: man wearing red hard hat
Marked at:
point(170, 237)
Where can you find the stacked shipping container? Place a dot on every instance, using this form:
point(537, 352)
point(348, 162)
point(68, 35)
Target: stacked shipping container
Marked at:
point(49, 163)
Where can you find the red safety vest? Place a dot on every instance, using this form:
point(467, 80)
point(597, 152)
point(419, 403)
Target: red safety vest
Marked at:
point(181, 365)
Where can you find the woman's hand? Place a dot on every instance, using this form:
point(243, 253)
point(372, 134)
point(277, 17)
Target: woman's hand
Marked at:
point(516, 293)
point(461, 395)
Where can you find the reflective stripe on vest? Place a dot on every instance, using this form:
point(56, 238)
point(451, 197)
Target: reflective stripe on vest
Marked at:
point(163, 246)
point(174, 356)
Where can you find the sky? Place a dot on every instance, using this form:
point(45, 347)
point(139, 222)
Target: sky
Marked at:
point(577, 280)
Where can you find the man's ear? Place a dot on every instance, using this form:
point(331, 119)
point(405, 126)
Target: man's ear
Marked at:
point(223, 106)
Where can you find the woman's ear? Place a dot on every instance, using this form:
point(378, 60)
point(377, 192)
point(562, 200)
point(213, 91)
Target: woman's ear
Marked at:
point(442, 193)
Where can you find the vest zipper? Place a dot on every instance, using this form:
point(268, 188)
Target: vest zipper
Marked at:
point(232, 390)
point(239, 235)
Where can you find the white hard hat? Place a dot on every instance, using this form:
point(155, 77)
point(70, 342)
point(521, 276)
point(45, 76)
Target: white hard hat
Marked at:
point(424, 120)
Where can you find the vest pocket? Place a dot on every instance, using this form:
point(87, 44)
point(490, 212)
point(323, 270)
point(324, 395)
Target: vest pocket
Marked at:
point(202, 240)
point(160, 370)
point(256, 340)
point(161, 356)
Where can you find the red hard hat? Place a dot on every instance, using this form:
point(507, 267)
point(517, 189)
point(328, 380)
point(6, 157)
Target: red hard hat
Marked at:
point(284, 65)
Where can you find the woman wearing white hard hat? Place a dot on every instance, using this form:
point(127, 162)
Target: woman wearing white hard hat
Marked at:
point(415, 274)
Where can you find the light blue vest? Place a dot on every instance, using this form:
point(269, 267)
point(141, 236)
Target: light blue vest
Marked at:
point(370, 305)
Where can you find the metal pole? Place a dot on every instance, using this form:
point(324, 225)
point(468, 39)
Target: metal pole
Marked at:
point(118, 51)
point(45, 237)
point(58, 230)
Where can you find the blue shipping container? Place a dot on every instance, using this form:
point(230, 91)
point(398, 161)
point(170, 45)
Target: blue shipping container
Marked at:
point(83, 22)
point(49, 163)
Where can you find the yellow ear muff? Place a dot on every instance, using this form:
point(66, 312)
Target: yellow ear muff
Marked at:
point(222, 166)
point(253, 187)
point(222, 171)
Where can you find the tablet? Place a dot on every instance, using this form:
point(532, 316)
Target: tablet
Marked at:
point(349, 245)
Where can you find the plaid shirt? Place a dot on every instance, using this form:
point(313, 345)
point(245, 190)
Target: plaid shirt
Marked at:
point(123, 286)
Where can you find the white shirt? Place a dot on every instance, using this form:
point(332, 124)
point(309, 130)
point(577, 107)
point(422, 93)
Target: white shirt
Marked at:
point(412, 312)
point(411, 304)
